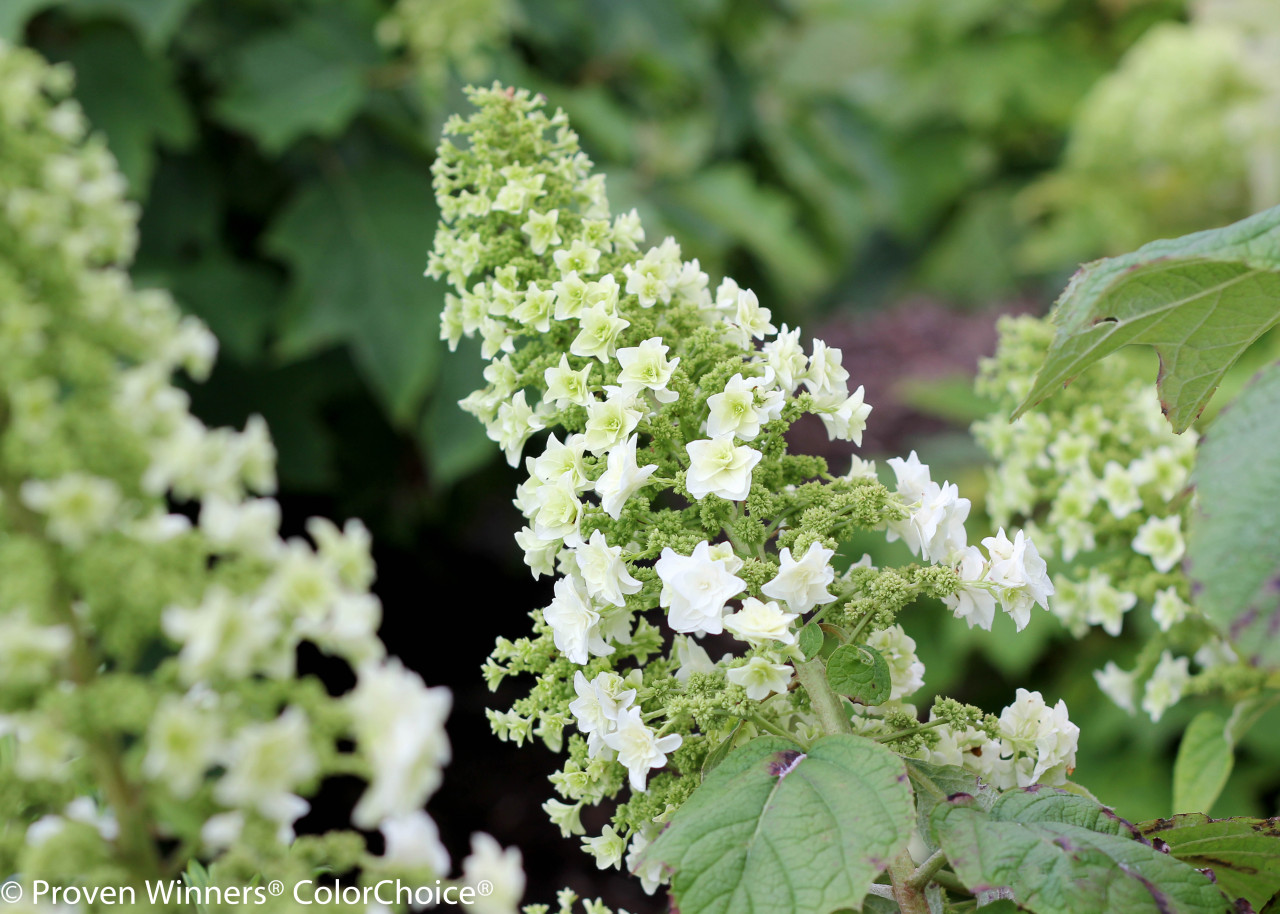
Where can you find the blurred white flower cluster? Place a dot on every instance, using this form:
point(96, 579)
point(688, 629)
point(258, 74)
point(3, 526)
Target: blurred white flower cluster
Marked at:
point(151, 713)
point(1100, 478)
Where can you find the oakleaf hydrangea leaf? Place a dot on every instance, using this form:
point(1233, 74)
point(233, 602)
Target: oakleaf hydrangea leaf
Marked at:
point(155, 21)
point(789, 832)
point(355, 242)
point(1244, 854)
point(1057, 853)
point(1233, 563)
point(132, 97)
point(308, 78)
point(1199, 300)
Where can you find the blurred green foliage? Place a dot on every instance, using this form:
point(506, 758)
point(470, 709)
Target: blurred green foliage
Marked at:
point(823, 150)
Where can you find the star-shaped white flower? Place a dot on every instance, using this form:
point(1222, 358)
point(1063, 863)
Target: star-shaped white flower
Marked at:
point(761, 678)
point(802, 583)
point(695, 589)
point(758, 622)
point(640, 748)
point(604, 571)
point(1019, 575)
point(1160, 538)
point(718, 467)
point(646, 367)
point(575, 624)
point(845, 417)
point(623, 477)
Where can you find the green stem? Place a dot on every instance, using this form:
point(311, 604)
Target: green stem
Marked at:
point(134, 844)
point(764, 724)
point(817, 617)
point(911, 731)
point(925, 871)
point(862, 623)
point(813, 676)
point(950, 882)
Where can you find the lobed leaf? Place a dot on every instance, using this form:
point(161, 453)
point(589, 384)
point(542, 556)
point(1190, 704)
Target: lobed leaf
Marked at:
point(155, 21)
point(133, 98)
point(788, 832)
point(308, 78)
point(355, 242)
point(1199, 301)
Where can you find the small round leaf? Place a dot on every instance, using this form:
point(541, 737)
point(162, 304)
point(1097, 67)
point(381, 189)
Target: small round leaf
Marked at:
point(860, 672)
point(811, 639)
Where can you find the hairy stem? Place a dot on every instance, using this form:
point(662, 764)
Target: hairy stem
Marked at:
point(813, 676)
point(910, 898)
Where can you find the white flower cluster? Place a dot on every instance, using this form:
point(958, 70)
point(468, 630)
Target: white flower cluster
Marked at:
point(663, 406)
point(1104, 462)
point(1101, 464)
point(1036, 745)
point(933, 528)
point(176, 640)
point(614, 727)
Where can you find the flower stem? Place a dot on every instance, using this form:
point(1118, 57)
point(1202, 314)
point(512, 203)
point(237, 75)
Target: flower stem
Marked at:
point(813, 676)
point(764, 724)
point(924, 872)
point(911, 731)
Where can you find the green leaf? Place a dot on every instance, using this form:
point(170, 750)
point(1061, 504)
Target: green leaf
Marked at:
point(238, 300)
point(155, 21)
point(774, 829)
point(861, 672)
point(762, 219)
point(1039, 804)
point(1057, 853)
point(1204, 763)
point(1199, 300)
point(453, 441)
point(1244, 854)
point(811, 639)
point(131, 97)
point(355, 242)
point(1231, 545)
point(832, 638)
point(935, 784)
point(308, 78)
point(1248, 712)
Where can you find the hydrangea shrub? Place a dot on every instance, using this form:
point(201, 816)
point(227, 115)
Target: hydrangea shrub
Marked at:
point(154, 729)
point(663, 500)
